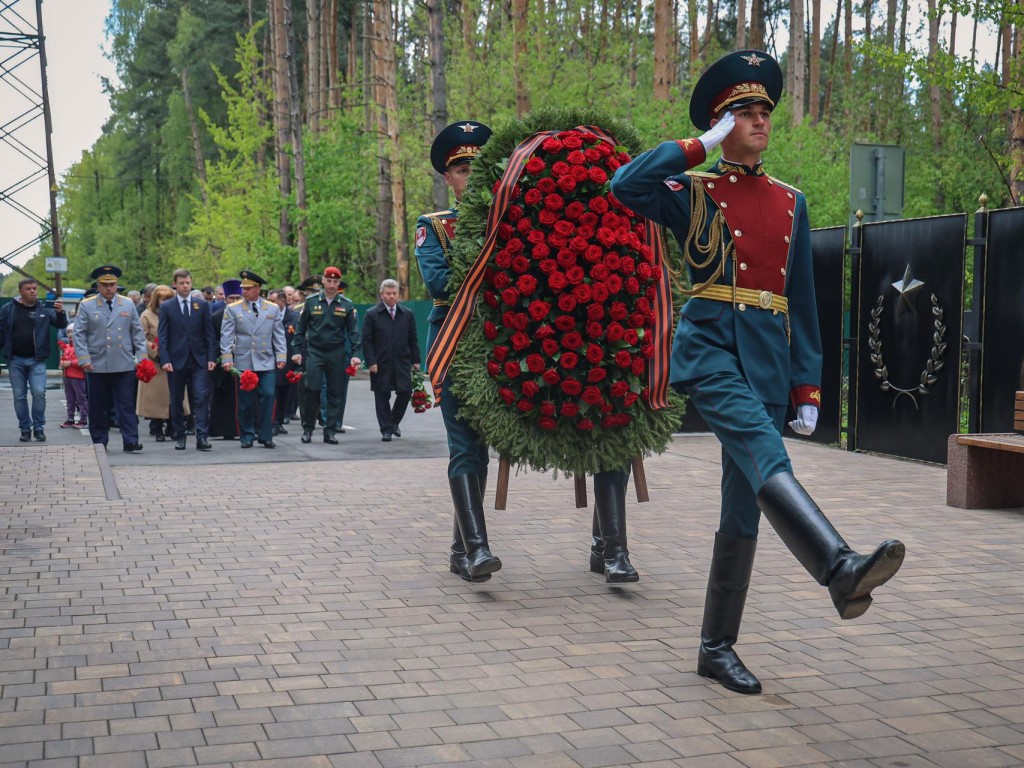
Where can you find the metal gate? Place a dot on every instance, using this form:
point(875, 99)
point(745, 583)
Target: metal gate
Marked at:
point(999, 298)
point(908, 282)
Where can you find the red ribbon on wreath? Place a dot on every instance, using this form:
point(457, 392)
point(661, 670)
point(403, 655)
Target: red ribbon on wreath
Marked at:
point(441, 354)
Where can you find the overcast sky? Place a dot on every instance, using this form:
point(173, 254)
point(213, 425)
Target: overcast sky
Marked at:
point(76, 63)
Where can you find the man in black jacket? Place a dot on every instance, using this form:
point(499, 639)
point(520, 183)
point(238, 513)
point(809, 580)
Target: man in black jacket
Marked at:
point(392, 353)
point(25, 343)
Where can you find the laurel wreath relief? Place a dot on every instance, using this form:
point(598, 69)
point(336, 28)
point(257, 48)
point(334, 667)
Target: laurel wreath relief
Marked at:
point(929, 375)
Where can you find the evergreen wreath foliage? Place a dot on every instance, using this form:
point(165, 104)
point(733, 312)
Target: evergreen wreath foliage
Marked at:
point(561, 444)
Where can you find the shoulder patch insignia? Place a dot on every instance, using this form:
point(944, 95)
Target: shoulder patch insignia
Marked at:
point(674, 185)
point(421, 236)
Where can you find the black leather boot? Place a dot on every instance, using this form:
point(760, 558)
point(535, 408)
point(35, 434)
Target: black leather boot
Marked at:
point(596, 546)
point(469, 516)
point(728, 581)
point(803, 527)
point(610, 504)
point(458, 562)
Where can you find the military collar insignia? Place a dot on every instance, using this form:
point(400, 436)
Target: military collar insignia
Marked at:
point(723, 166)
point(753, 59)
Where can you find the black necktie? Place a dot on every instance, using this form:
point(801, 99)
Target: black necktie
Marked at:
point(255, 310)
point(110, 305)
point(184, 308)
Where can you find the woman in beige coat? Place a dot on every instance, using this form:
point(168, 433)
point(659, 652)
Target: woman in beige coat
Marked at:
point(154, 400)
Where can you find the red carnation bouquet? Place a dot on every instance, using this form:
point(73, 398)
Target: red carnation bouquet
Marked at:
point(569, 303)
point(145, 371)
point(421, 400)
point(350, 371)
point(247, 380)
point(293, 377)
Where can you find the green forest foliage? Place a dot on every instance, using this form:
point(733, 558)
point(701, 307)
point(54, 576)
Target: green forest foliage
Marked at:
point(134, 198)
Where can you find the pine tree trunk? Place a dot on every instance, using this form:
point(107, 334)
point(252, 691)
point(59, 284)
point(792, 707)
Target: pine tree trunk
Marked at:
point(301, 224)
point(691, 19)
point(797, 64)
point(1017, 113)
point(934, 92)
point(757, 24)
point(826, 109)
point(197, 147)
point(282, 111)
point(313, 89)
point(438, 90)
point(383, 49)
point(847, 39)
point(741, 23)
point(634, 56)
point(814, 74)
point(520, 57)
point(664, 56)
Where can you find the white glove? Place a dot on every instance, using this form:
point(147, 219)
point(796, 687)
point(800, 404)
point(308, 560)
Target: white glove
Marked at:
point(718, 132)
point(806, 419)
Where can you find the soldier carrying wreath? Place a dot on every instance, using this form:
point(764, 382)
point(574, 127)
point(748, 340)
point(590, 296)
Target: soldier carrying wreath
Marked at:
point(567, 305)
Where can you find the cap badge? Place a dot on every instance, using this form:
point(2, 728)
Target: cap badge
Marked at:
point(753, 59)
point(467, 127)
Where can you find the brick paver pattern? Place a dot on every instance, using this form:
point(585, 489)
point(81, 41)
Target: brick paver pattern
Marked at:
point(301, 615)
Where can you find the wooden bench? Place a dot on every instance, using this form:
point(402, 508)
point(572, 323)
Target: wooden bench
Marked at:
point(985, 471)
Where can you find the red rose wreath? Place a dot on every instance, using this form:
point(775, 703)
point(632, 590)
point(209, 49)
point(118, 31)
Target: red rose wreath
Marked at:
point(570, 307)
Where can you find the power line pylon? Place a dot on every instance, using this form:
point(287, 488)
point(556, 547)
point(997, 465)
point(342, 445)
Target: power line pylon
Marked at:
point(26, 152)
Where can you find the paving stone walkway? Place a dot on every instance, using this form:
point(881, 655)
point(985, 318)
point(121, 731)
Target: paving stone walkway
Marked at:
point(300, 614)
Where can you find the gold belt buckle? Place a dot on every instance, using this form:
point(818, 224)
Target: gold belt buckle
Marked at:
point(765, 299)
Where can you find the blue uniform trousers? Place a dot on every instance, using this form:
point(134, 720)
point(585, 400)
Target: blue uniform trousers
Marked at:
point(467, 454)
point(112, 391)
point(256, 408)
point(752, 449)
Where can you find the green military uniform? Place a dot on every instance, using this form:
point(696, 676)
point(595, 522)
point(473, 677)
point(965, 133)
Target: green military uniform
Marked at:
point(327, 338)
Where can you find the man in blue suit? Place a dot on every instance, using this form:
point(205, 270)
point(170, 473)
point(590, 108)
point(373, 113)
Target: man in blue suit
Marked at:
point(188, 352)
point(747, 342)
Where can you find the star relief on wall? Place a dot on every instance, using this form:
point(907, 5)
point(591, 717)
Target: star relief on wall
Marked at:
point(907, 289)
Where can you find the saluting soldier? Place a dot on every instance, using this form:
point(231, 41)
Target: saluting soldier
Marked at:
point(450, 154)
point(109, 343)
point(327, 341)
point(747, 341)
point(252, 339)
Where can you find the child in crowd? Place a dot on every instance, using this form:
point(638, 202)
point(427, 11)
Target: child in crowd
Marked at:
point(74, 385)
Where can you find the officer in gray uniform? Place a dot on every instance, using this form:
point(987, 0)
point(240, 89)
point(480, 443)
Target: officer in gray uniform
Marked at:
point(252, 339)
point(109, 343)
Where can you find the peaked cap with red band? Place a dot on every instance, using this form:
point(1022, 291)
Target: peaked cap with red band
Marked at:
point(735, 80)
point(458, 143)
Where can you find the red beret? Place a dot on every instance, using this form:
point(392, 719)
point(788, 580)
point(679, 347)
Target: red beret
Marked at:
point(332, 272)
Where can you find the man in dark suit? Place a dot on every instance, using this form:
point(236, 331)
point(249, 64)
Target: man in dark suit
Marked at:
point(284, 387)
point(188, 352)
point(392, 353)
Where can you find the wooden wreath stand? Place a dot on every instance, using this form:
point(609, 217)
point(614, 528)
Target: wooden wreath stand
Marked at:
point(579, 481)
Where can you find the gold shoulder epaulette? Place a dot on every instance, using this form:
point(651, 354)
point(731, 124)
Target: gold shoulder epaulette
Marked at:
point(785, 184)
point(703, 174)
point(236, 303)
point(437, 214)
